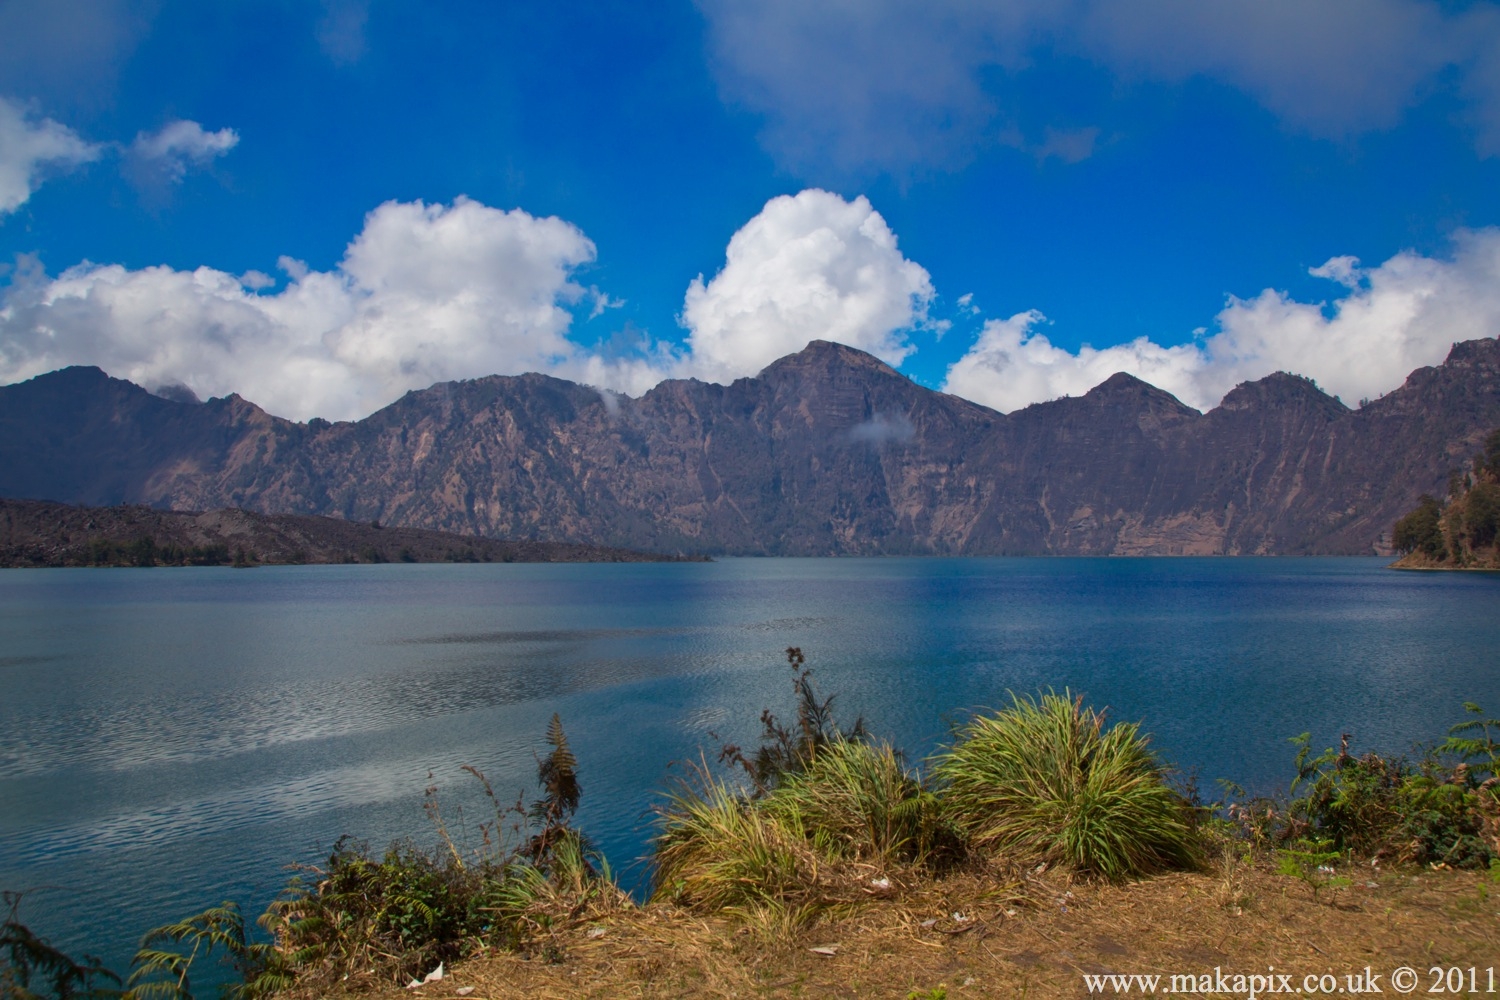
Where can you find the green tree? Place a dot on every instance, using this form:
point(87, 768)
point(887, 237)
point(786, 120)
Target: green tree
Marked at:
point(1421, 529)
point(1482, 514)
point(1492, 452)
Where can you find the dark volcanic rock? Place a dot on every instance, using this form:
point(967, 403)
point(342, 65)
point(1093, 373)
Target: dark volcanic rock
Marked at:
point(827, 451)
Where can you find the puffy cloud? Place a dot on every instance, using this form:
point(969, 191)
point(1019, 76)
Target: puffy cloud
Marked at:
point(424, 293)
point(163, 156)
point(427, 293)
point(899, 86)
point(29, 148)
point(1402, 315)
point(810, 266)
point(1012, 365)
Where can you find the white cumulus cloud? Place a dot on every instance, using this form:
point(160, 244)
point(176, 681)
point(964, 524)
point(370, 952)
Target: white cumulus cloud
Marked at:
point(427, 293)
point(1012, 365)
point(1391, 319)
point(29, 148)
point(808, 267)
point(423, 294)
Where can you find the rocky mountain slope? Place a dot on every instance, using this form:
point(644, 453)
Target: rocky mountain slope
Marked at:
point(828, 451)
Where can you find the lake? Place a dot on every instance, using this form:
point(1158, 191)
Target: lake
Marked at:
point(173, 738)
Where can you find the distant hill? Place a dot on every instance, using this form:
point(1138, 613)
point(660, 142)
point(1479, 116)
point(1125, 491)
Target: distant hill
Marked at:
point(39, 533)
point(827, 451)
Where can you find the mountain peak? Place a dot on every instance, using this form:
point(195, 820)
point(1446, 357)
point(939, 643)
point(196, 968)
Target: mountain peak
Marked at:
point(73, 375)
point(1123, 386)
point(1280, 389)
point(825, 354)
point(1485, 350)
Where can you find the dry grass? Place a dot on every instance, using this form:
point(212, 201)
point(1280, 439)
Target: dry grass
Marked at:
point(1020, 935)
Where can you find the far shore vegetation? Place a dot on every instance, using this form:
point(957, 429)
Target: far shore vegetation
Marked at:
point(821, 826)
point(1462, 531)
point(44, 534)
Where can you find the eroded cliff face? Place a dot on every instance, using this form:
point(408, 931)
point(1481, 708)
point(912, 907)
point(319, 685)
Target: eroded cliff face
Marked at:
point(828, 451)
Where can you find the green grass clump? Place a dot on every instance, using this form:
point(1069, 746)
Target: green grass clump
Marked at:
point(860, 803)
point(809, 845)
point(720, 850)
point(1045, 779)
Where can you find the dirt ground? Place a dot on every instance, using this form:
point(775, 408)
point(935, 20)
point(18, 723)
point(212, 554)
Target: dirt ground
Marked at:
point(1038, 936)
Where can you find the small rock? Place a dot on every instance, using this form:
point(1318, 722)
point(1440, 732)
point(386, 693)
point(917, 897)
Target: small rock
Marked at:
point(464, 991)
point(826, 950)
point(881, 883)
point(929, 924)
point(594, 933)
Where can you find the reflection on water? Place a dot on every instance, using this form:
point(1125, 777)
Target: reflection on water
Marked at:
point(169, 739)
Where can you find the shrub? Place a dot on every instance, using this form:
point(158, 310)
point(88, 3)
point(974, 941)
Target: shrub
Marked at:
point(784, 750)
point(1046, 780)
point(401, 913)
point(718, 850)
point(363, 918)
point(783, 857)
point(1475, 746)
point(1373, 806)
point(858, 801)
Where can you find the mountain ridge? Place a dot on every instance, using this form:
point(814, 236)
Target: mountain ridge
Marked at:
point(826, 451)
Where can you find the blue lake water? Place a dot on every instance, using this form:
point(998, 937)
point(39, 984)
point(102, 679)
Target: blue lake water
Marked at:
point(173, 738)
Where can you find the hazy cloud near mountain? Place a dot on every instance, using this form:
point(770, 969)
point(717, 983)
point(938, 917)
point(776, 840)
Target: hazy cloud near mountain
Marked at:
point(897, 86)
point(1389, 320)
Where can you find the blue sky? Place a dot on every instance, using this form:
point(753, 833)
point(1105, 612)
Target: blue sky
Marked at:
point(322, 205)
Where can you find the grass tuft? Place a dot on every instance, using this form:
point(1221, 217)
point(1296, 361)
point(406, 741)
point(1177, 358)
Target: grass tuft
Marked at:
point(1045, 779)
point(860, 802)
point(719, 850)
